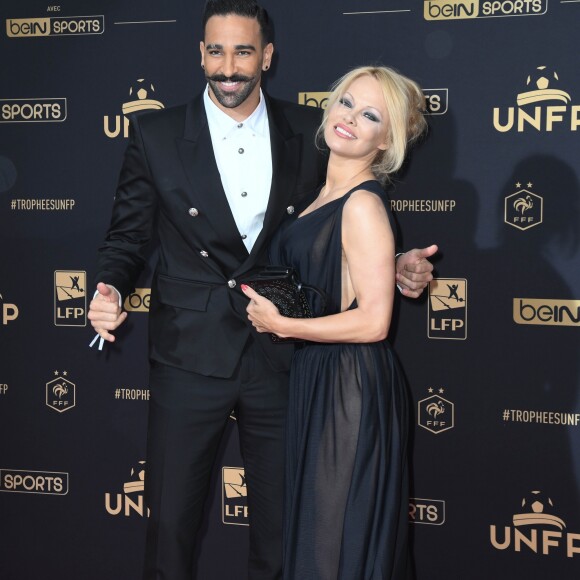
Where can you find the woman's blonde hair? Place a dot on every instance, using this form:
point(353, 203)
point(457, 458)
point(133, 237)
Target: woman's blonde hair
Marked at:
point(405, 104)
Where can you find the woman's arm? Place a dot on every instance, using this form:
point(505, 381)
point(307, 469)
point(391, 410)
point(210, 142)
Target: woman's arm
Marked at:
point(368, 245)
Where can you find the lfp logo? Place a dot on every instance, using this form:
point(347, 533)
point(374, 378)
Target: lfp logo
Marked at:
point(234, 496)
point(447, 316)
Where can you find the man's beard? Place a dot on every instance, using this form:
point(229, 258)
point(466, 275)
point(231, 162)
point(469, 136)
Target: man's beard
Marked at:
point(235, 98)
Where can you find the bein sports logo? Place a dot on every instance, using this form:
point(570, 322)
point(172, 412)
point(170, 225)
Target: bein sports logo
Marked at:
point(436, 100)
point(139, 301)
point(546, 312)
point(33, 110)
point(541, 86)
point(536, 529)
point(36, 482)
point(426, 511)
point(466, 9)
point(142, 93)
point(55, 26)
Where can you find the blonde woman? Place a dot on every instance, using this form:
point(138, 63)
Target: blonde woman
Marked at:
point(346, 465)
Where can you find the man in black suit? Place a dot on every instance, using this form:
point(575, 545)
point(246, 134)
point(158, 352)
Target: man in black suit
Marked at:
point(213, 179)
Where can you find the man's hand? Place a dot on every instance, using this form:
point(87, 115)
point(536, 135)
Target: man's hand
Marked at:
point(414, 271)
point(105, 313)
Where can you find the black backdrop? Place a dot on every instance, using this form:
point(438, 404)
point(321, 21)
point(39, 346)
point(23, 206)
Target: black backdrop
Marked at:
point(491, 353)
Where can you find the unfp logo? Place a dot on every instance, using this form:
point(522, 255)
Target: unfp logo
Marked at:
point(33, 110)
point(536, 528)
point(523, 209)
point(142, 93)
point(447, 314)
point(436, 414)
point(234, 496)
point(132, 500)
point(139, 301)
point(54, 26)
point(9, 311)
point(426, 511)
point(37, 482)
point(541, 86)
point(465, 9)
point(70, 298)
point(60, 393)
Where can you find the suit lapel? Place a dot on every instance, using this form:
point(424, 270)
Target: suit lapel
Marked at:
point(285, 165)
point(207, 193)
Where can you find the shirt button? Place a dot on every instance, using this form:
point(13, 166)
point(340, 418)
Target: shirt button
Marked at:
point(244, 236)
point(244, 193)
point(204, 253)
point(193, 212)
point(232, 283)
point(240, 125)
point(290, 209)
point(240, 150)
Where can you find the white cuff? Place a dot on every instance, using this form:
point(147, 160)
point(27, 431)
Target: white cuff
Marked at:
point(396, 256)
point(119, 294)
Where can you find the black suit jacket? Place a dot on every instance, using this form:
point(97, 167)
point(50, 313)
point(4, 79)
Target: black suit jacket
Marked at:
point(197, 321)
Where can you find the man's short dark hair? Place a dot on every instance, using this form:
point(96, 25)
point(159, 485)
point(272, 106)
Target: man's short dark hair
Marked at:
point(247, 8)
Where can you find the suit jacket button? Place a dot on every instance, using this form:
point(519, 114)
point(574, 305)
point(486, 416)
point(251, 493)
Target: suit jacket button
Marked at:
point(193, 212)
point(290, 209)
point(204, 253)
point(232, 283)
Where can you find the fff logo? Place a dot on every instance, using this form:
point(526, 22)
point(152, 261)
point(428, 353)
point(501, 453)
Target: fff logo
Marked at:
point(60, 393)
point(436, 414)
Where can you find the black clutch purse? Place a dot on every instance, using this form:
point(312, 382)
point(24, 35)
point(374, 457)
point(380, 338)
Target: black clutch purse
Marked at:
point(282, 286)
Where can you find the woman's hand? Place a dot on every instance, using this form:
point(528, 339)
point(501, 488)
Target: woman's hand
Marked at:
point(262, 313)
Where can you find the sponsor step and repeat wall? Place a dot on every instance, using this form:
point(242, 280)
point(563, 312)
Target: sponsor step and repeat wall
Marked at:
point(491, 350)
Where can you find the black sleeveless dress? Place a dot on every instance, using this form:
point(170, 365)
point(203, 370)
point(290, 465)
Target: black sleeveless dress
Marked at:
point(346, 498)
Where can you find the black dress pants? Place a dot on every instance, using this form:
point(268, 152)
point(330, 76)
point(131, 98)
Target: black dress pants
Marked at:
point(187, 416)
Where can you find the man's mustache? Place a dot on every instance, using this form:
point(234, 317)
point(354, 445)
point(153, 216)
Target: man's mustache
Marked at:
point(217, 78)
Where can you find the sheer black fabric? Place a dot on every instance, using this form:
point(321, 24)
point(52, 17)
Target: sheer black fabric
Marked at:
point(346, 470)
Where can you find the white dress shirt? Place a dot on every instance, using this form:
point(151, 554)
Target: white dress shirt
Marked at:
point(244, 159)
